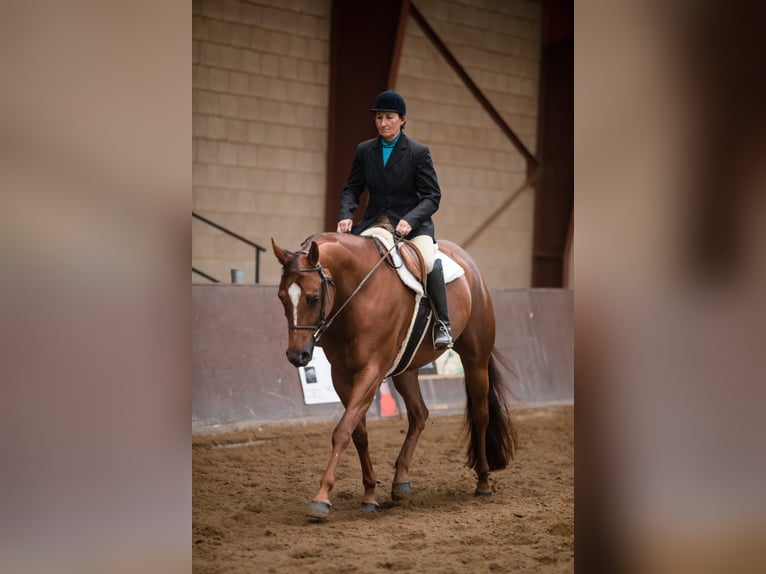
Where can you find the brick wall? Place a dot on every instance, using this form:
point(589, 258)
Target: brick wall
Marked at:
point(260, 86)
point(498, 44)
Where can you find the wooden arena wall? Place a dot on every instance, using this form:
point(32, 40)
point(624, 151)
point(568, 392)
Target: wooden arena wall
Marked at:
point(241, 377)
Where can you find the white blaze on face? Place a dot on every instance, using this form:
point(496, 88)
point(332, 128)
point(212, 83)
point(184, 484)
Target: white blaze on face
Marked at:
point(294, 291)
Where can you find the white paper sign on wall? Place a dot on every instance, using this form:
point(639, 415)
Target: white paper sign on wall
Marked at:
point(316, 380)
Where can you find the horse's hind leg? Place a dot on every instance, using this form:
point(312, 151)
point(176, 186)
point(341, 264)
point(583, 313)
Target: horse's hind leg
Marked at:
point(417, 414)
point(359, 437)
point(477, 389)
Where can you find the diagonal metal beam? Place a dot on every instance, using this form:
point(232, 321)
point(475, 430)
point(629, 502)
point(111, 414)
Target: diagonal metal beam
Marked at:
point(529, 182)
point(472, 87)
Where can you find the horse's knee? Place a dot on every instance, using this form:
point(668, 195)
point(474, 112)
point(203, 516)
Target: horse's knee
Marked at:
point(340, 437)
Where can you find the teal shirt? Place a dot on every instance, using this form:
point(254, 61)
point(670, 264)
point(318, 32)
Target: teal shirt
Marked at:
point(388, 148)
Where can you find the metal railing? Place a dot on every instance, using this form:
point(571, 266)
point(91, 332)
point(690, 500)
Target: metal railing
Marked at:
point(258, 248)
point(205, 275)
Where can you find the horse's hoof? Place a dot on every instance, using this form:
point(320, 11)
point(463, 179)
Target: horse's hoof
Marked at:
point(400, 490)
point(483, 494)
point(318, 510)
point(370, 507)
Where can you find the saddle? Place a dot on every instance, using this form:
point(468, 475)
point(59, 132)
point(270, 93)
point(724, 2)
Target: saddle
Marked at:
point(408, 262)
point(409, 256)
point(403, 255)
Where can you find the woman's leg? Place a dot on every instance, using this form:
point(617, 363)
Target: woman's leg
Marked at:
point(437, 292)
point(427, 249)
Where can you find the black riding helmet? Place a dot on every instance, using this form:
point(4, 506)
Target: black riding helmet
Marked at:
point(389, 101)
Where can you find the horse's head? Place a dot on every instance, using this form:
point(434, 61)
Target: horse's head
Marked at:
point(305, 293)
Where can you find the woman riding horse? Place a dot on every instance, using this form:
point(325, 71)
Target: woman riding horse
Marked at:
point(404, 194)
point(337, 287)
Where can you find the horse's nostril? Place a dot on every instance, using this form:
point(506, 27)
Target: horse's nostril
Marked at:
point(299, 358)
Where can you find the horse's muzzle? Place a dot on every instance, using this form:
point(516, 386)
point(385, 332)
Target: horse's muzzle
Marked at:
point(300, 357)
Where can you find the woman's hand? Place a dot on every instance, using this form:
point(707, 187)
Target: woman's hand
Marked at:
point(403, 228)
point(344, 225)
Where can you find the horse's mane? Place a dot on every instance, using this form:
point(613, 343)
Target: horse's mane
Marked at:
point(293, 256)
point(332, 237)
point(305, 243)
point(321, 238)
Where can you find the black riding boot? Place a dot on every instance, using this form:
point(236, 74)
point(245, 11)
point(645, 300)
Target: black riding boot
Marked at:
point(437, 293)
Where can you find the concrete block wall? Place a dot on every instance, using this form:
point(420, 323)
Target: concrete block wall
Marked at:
point(260, 90)
point(498, 44)
point(260, 87)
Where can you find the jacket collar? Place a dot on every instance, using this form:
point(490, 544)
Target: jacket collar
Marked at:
point(396, 154)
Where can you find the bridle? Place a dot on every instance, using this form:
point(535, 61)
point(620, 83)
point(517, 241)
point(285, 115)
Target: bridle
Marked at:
point(324, 322)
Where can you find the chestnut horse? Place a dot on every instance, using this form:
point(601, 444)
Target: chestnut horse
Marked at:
point(336, 288)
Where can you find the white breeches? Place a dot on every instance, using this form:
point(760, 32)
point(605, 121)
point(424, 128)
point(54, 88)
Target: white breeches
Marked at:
point(424, 243)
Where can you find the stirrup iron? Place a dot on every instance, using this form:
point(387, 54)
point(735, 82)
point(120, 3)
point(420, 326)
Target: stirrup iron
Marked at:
point(442, 336)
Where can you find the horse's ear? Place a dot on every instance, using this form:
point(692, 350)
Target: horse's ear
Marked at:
point(313, 254)
point(281, 254)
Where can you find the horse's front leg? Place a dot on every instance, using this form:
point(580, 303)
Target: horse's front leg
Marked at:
point(357, 398)
point(417, 415)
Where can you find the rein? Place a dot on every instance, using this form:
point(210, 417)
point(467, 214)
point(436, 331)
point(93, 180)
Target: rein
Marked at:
point(324, 323)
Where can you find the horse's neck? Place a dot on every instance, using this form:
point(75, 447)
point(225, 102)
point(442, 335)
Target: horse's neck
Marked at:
point(349, 260)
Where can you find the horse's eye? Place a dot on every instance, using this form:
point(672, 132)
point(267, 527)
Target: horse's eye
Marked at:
point(313, 300)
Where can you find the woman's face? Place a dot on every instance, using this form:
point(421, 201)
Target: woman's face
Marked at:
point(389, 124)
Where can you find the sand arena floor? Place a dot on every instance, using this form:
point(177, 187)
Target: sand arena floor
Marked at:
point(249, 500)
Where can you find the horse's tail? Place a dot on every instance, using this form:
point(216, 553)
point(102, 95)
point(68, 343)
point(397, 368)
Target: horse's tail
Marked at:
point(501, 433)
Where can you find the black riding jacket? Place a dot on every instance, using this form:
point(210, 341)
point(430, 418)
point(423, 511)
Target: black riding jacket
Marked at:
point(406, 188)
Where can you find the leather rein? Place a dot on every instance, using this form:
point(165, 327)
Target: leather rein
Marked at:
point(324, 322)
